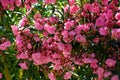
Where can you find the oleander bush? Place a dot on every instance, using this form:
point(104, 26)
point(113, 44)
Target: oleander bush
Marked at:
point(59, 40)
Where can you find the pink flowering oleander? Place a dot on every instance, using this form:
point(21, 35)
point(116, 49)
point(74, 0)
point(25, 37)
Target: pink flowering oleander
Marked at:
point(5, 45)
point(23, 65)
point(60, 40)
point(110, 62)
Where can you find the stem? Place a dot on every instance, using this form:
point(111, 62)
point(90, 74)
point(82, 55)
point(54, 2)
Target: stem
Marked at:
point(6, 72)
point(20, 74)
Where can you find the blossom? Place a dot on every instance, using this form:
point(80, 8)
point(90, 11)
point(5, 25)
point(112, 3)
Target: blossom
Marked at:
point(0, 75)
point(51, 76)
point(14, 29)
point(96, 40)
point(80, 38)
point(23, 21)
point(103, 31)
point(18, 3)
point(23, 65)
point(66, 8)
point(37, 16)
point(117, 16)
point(22, 56)
point(33, 1)
point(118, 22)
point(107, 74)
point(27, 4)
point(116, 33)
point(67, 75)
point(74, 9)
point(72, 33)
point(94, 65)
point(49, 1)
point(5, 45)
point(5, 4)
point(110, 62)
point(95, 7)
point(49, 29)
point(87, 7)
point(38, 26)
point(100, 22)
point(68, 25)
point(61, 46)
point(65, 34)
point(115, 77)
point(105, 2)
point(36, 58)
point(71, 2)
point(100, 70)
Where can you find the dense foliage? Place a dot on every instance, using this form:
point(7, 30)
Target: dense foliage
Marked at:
point(59, 40)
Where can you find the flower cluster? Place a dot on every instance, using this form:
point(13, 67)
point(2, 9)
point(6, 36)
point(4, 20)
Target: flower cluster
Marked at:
point(11, 4)
point(87, 36)
point(4, 44)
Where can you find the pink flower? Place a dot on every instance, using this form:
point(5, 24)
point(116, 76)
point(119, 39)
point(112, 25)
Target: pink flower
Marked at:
point(27, 4)
point(116, 33)
point(53, 19)
point(18, 3)
point(74, 9)
point(94, 65)
point(51, 76)
point(115, 77)
point(105, 2)
point(85, 28)
point(72, 33)
point(4, 4)
point(65, 34)
point(95, 7)
point(118, 22)
point(117, 16)
point(61, 46)
point(36, 38)
point(87, 7)
point(100, 22)
point(80, 38)
point(0, 75)
point(22, 56)
point(67, 75)
point(38, 26)
point(103, 31)
point(57, 66)
point(71, 2)
point(107, 74)
point(37, 58)
point(23, 65)
point(100, 70)
point(49, 29)
point(14, 29)
point(23, 21)
point(68, 48)
point(49, 1)
point(110, 62)
point(37, 16)
point(109, 14)
point(96, 40)
point(5, 45)
point(2, 47)
point(29, 46)
point(68, 25)
point(8, 4)
point(66, 8)
point(78, 29)
point(33, 1)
